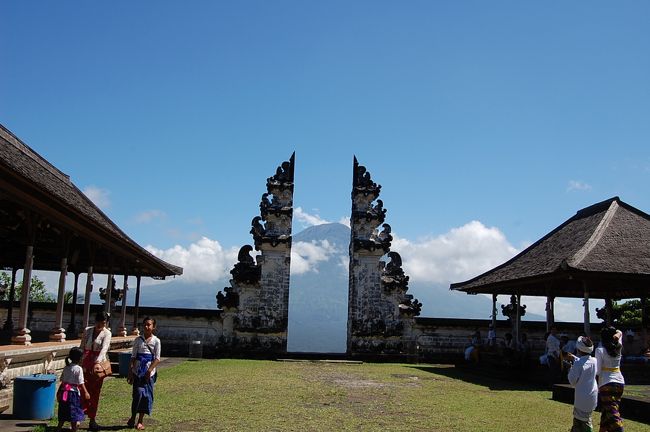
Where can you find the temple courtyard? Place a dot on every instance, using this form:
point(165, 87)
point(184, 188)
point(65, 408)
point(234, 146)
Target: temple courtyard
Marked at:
point(250, 395)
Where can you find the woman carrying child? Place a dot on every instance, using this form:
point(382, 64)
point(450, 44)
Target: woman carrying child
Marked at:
point(610, 379)
point(582, 376)
point(71, 390)
point(142, 373)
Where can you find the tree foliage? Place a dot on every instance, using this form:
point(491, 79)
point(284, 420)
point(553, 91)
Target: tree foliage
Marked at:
point(624, 314)
point(37, 290)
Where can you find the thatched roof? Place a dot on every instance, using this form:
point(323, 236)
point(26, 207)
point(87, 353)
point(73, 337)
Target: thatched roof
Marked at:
point(37, 198)
point(604, 247)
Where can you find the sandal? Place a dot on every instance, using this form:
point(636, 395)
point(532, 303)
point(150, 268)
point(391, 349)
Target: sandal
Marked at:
point(140, 426)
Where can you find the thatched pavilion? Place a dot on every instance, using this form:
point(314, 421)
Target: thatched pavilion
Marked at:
point(602, 252)
point(47, 223)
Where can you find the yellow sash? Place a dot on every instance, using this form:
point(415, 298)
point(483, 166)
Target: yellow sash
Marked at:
point(615, 369)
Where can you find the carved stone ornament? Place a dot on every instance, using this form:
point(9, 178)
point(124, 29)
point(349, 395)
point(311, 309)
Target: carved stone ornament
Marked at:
point(393, 277)
point(246, 271)
point(283, 174)
point(410, 307)
point(510, 310)
point(229, 300)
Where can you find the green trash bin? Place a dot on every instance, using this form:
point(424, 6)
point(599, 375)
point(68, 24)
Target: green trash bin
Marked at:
point(34, 397)
point(125, 360)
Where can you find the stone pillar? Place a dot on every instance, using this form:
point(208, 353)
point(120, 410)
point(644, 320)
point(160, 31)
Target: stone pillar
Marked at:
point(121, 331)
point(9, 323)
point(381, 315)
point(21, 335)
point(57, 334)
point(89, 289)
point(136, 309)
point(256, 305)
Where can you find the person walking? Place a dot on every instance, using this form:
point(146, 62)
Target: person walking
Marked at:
point(95, 343)
point(582, 376)
point(142, 373)
point(610, 379)
point(71, 391)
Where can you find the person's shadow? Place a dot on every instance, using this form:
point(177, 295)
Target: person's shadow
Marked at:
point(81, 428)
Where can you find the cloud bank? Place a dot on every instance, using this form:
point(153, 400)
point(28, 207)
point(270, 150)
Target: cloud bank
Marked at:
point(203, 261)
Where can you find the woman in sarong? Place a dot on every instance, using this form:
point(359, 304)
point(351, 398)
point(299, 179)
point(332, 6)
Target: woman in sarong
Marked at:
point(142, 373)
point(95, 343)
point(610, 379)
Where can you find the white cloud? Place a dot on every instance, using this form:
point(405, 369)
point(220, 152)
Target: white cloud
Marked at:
point(149, 215)
point(307, 219)
point(456, 256)
point(305, 256)
point(345, 220)
point(98, 196)
point(575, 185)
point(202, 261)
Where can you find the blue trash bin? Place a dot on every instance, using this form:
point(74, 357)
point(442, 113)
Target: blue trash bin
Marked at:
point(34, 397)
point(125, 360)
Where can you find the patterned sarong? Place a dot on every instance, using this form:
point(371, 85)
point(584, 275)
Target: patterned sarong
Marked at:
point(609, 397)
point(142, 387)
point(70, 409)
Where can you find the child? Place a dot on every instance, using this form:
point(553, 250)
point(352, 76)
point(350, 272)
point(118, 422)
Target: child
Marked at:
point(70, 391)
point(142, 373)
point(582, 376)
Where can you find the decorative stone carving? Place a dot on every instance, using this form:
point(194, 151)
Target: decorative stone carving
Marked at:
point(255, 307)
point(510, 310)
point(380, 313)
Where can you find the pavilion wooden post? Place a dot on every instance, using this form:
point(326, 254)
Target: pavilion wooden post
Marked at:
point(494, 312)
point(121, 331)
point(72, 327)
point(107, 299)
point(550, 314)
point(57, 334)
point(89, 289)
point(21, 336)
point(609, 309)
point(645, 321)
point(136, 309)
point(9, 323)
point(518, 318)
point(587, 319)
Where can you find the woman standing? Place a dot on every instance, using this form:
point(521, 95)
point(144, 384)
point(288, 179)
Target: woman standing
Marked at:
point(95, 343)
point(610, 379)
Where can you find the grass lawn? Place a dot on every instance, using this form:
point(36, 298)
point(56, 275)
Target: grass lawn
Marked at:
point(249, 395)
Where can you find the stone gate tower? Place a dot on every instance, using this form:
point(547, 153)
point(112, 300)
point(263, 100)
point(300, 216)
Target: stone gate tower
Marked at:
point(256, 305)
point(380, 313)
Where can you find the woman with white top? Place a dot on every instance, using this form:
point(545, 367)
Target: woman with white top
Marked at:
point(610, 379)
point(95, 343)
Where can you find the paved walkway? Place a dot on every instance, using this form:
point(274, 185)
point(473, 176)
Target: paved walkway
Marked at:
point(10, 424)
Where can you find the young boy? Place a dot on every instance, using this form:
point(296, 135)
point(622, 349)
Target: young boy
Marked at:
point(582, 376)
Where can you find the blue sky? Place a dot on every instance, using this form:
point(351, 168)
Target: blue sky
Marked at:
point(500, 118)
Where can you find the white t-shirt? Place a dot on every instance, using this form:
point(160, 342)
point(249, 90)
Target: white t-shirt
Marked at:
point(609, 368)
point(152, 346)
point(582, 376)
point(72, 374)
